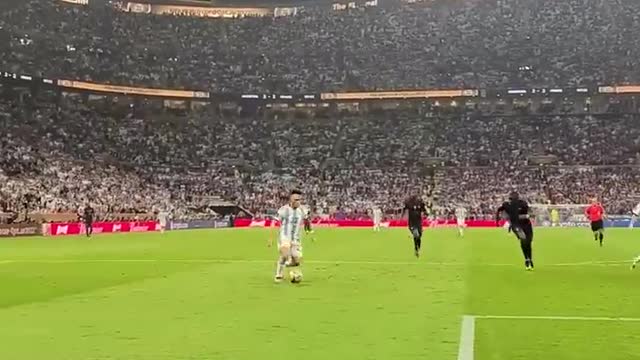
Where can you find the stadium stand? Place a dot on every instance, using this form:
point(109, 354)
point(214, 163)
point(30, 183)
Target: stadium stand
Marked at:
point(61, 157)
point(57, 153)
point(391, 46)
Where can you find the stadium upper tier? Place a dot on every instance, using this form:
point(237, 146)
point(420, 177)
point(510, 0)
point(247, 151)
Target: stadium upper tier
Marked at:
point(470, 44)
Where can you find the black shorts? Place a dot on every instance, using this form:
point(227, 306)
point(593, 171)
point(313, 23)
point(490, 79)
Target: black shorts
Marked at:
point(524, 231)
point(415, 229)
point(88, 224)
point(597, 225)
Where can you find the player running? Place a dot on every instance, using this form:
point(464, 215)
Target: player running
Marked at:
point(595, 214)
point(461, 217)
point(377, 218)
point(291, 217)
point(518, 212)
point(415, 207)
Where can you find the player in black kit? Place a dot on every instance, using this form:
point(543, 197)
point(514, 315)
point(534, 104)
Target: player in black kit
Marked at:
point(517, 211)
point(415, 207)
point(87, 218)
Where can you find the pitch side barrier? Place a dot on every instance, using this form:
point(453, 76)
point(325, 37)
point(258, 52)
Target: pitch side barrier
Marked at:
point(245, 223)
point(612, 222)
point(198, 224)
point(21, 229)
point(77, 228)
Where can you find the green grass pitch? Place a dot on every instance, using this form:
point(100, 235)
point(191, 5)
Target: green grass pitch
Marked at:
point(210, 295)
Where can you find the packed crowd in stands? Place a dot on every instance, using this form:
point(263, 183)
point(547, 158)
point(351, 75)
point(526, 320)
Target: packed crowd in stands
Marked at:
point(60, 157)
point(56, 158)
point(430, 44)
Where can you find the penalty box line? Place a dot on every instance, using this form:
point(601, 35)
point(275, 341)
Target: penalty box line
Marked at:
point(466, 349)
point(318, 262)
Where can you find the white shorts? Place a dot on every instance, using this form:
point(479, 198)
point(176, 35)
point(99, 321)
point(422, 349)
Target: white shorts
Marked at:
point(163, 223)
point(461, 222)
point(295, 248)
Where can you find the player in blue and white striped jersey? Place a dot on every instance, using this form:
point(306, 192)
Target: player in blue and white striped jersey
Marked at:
point(461, 218)
point(291, 217)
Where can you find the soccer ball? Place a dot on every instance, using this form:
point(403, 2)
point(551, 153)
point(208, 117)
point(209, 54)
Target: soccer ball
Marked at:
point(295, 276)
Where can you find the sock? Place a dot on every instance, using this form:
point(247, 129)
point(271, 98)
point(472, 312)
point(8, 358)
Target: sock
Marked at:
point(461, 231)
point(601, 236)
point(595, 236)
point(417, 243)
point(525, 253)
point(280, 265)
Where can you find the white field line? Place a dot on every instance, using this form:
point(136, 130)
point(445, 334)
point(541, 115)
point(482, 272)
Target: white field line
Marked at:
point(566, 318)
point(467, 330)
point(467, 338)
point(328, 262)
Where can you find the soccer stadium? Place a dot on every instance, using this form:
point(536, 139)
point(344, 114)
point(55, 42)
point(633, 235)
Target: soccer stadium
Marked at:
point(165, 164)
